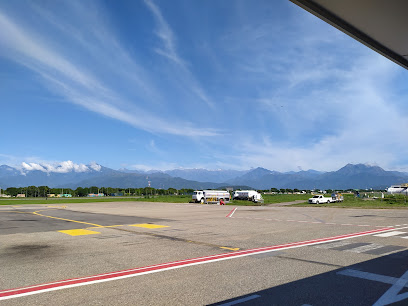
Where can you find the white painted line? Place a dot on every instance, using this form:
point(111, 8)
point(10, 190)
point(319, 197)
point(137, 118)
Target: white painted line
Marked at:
point(245, 299)
point(406, 237)
point(392, 295)
point(111, 276)
point(232, 212)
point(332, 244)
point(365, 248)
point(389, 234)
point(369, 276)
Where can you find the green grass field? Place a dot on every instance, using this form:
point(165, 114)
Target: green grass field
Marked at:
point(167, 199)
point(273, 199)
point(349, 201)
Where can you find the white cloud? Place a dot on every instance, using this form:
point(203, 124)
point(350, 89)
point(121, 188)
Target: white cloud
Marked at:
point(32, 167)
point(156, 166)
point(95, 166)
point(165, 33)
point(59, 167)
point(71, 80)
point(169, 50)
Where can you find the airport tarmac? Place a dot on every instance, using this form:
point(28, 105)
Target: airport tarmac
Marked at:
point(131, 253)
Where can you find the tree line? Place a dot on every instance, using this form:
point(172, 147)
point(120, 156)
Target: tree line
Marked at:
point(43, 191)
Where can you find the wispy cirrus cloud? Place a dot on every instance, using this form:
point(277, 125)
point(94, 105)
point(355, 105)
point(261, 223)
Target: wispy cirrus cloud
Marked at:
point(69, 75)
point(165, 34)
point(169, 50)
point(326, 129)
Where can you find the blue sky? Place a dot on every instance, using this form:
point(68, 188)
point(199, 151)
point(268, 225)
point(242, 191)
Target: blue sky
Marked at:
point(193, 84)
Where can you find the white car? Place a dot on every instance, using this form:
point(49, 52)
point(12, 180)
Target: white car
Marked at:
point(319, 199)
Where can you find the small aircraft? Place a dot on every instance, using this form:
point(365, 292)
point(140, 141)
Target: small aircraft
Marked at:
point(403, 188)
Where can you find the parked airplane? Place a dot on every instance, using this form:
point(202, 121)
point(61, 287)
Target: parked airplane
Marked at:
point(403, 188)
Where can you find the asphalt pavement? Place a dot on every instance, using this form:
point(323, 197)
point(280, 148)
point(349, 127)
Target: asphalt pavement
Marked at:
point(128, 253)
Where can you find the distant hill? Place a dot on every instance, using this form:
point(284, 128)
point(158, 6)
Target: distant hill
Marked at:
point(261, 178)
point(204, 175)
point(359, 176)
point(137, 180)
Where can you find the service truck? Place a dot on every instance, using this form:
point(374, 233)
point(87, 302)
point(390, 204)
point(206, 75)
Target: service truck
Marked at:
point(210, 196)
point(337, 197)
point(249, 195)
point(319, 199)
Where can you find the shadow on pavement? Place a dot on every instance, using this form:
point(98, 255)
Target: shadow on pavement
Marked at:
point(381, 281)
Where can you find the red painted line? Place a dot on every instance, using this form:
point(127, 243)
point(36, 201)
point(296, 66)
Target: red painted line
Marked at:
point(231, 212)
point(69, 283)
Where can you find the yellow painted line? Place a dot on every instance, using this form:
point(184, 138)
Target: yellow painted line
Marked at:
point(145, 225)
point(232, 249)
point(36, 213)
point(105, 226)
point(79, 232)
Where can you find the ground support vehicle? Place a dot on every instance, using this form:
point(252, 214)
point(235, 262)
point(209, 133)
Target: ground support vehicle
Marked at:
point(337, 197)
point(211, 196)
point(249, 195)
point(319, 199)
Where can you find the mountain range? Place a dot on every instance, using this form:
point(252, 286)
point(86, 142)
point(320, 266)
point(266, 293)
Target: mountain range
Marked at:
point(70, 175)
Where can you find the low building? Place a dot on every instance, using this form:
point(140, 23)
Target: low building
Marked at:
point(92, 195)
point(21, 195)
point(117, 194)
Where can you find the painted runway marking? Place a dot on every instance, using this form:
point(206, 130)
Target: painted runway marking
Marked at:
point(389, 234)
point(239, 301)
point(365, 248)
point(231, 249)
point(311, 222)
point(79, 232)
point(362, 247)
point(391, 295)
point(332, 244)
point(231, 213)
point(146, 225)
point(369, 276)
point(82, 281)
point(37, 213)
